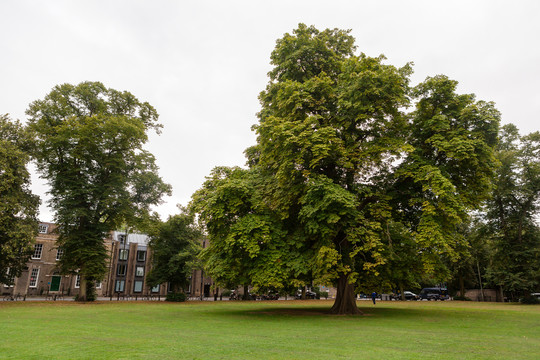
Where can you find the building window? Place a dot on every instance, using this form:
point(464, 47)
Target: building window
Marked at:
point(137, 286)
point(122, 238)
point(141, 255)
point(98, 284)
point(59, 253)
point(42, 229)
point(10, 278)
point(139, 270)
point(78, 281)
point(38, 248)
point(123, 254)
point(155, 289)
point(119, 286)
point(121, 269)
point(34, 278)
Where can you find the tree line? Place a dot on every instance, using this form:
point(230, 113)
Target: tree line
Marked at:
point(358, 179)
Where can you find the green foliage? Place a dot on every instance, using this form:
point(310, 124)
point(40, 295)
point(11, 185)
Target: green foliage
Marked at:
point(226, 293)
point(530, 300)
point(326, 129)
point(511, 213)
point(475, 254)
point(18, 207)
point(89, 147)
point(243, 233)
point(449, 172)
point(175, 245)
point(339, 169)
point(176, 297)
point(89, 295)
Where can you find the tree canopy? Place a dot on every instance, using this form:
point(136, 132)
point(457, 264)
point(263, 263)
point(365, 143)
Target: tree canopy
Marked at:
point(511, 213)
point(89, 147)
point(18, 206)
point(175, 246)
point(337, 160)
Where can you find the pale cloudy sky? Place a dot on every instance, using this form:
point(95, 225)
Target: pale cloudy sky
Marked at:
point(202, 64)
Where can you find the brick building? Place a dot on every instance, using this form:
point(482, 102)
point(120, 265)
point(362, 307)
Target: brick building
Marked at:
point(41, 276)
point(128, 263)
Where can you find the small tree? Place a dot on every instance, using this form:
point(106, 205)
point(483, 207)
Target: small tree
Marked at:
point(175, 245)
point(18, 207)
point(242, 231)
point(89, 147)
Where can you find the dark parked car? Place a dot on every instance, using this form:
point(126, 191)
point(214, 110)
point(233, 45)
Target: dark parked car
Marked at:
point(309, 295)
point(434, 294)
point(269, 296)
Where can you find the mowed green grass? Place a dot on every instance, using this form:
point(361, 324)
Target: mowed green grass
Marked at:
point(268, 330)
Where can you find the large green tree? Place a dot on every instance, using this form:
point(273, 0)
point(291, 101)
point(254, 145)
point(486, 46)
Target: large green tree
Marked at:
point(89, 147)
point(175, 245)
point(337, 159)
point(447, 173)
point(330, 121)
point(18, 206)
point(512, 213)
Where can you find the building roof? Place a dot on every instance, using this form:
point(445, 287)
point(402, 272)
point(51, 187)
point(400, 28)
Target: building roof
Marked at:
point(140, 239)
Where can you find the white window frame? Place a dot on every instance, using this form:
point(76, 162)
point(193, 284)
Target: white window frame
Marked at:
point(98, 284)
point(120, 288)
point(42, 228)
point(123, 251)
point(34, 276)
point(155, 289)
point(121, 266)
point(38, 250)
point(135, 283)
point(143, 257)
point(139, 273)
point(8, 270)
point(59, 253)
point(77, 281)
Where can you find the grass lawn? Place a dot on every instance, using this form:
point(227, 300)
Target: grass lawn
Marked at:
point(268, 330)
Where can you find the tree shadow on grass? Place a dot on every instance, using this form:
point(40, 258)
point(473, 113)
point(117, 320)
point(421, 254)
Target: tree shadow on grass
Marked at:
point(324, 311)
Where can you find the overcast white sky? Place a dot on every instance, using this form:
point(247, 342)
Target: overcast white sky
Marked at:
point(202, 64)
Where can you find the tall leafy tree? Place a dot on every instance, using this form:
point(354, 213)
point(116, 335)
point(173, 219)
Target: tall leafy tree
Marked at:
point(330, 121)
point(337, 159)
point(18, 206)
point(512, 211)
point(89, 147)
point(449, 170)
point(175, 246)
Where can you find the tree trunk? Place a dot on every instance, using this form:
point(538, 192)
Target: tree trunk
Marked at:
point(461, 286)
point(480, 279)
point(345, 303)
point(303, 297)
point(82, 289)
point(401, 291)
point(246, 292)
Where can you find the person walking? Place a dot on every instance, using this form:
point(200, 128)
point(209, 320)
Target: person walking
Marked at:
point(373, 296)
